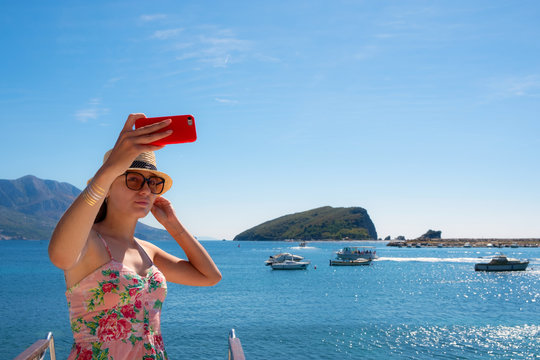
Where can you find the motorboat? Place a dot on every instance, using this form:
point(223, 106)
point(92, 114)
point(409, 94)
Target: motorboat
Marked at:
point(302, 244)
point(354, 252)
point(502, 263)
point(290, 265)
point(467, 245)
point(356, 262)
point(282, 257)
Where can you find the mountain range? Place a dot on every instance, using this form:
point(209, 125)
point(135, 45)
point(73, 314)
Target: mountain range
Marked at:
point(30, 207)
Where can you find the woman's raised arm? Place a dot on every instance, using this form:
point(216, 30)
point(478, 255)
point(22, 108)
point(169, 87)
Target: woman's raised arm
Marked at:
point(69, 238)
point(199, 269)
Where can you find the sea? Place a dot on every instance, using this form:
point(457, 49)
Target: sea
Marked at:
point(412, 303)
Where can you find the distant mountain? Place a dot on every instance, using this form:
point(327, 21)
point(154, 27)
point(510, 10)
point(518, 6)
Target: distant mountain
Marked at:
point(325, 223)
point(30, 208)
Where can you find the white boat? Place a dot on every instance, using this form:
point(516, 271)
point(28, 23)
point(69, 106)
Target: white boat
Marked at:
point(502, 263)
point(467, 245)
point(290, 265)
point(514, 245)
point(356, 262)
point(282, 257)
point(354, 252)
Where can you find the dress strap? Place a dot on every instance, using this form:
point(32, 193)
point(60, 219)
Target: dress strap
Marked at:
point(106, 246)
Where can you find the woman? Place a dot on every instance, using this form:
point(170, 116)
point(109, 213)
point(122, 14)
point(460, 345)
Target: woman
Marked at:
point(116, 283)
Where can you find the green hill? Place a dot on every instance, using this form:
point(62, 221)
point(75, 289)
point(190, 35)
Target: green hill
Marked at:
point(325, 223)
point(30, 208)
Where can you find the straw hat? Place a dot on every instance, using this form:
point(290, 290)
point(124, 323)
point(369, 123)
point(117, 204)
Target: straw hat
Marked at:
point(145, 161)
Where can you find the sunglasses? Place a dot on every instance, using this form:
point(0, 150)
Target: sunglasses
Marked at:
point(135, 181)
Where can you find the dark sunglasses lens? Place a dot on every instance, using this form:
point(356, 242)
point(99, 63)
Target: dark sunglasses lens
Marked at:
point(134, 181)
point(156, 184)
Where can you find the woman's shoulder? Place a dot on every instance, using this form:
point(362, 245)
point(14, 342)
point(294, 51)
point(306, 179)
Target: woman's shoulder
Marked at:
point(151, 249)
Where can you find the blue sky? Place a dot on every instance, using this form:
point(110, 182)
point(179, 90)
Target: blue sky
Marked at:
point(426, 113)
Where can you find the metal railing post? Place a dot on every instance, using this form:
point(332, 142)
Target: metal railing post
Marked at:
point(235, 347)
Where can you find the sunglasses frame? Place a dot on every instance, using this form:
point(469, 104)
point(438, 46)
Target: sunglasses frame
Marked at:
point(146, 180)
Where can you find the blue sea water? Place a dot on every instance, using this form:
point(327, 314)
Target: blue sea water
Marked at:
point(410, 304)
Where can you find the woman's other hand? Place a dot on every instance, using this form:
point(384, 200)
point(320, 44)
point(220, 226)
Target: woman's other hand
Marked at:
point(163, 211)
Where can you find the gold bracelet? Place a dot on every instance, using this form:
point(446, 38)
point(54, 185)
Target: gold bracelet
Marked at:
point(93, 194)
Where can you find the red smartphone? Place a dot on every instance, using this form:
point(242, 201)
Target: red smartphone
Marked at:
point(183, 127)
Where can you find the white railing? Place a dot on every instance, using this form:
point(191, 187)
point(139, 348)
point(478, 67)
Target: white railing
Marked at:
point(235, 348)
point(37, 350)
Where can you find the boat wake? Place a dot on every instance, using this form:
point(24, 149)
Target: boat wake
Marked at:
point(430, 259)
point(302, 247)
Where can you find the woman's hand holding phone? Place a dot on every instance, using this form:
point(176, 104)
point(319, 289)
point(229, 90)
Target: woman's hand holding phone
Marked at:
point(131, 143)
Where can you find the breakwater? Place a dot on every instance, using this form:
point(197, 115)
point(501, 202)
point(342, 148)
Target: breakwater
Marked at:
point(472, 242)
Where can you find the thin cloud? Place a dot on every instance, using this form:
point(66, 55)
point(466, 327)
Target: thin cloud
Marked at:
point(153, 17)
point(93, 112)
point(226, 101)
point(86, 114)
point(216, 47)
point(111, 82)
point(166, 34)
point(515, 87)
point(222, 51)
point(366, 52)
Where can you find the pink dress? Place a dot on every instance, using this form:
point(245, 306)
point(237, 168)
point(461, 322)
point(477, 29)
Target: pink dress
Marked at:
point(115, 313)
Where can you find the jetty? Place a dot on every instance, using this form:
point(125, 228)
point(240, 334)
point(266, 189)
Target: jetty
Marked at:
point(466, 242)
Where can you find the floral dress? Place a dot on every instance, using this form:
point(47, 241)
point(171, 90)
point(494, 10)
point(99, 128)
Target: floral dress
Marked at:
point(115, 313)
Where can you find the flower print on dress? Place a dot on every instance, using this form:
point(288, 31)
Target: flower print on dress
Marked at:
point(111, 328)
point(115, 314)
point(109, 285)
point(156, 279)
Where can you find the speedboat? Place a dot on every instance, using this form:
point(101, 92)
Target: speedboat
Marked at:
point(356, 262)
point(354, 252)
point(502, 263)
point(290, 265)
point(282, 257)
point(467, 245)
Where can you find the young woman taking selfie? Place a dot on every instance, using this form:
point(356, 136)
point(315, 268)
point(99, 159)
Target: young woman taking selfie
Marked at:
point(116, 284)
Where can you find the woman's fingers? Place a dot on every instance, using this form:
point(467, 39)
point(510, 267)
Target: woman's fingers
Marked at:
point(130, 122)
point(150, 138)
point(132, 118)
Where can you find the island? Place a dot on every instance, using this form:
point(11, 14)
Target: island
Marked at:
point(324, 223)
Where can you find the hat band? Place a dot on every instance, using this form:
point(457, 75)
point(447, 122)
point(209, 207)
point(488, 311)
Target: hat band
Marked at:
point(143, 165)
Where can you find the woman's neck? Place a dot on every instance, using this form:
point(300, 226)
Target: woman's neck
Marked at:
point(120, 228)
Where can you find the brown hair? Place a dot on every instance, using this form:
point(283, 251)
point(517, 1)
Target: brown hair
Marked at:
point(102, 213)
